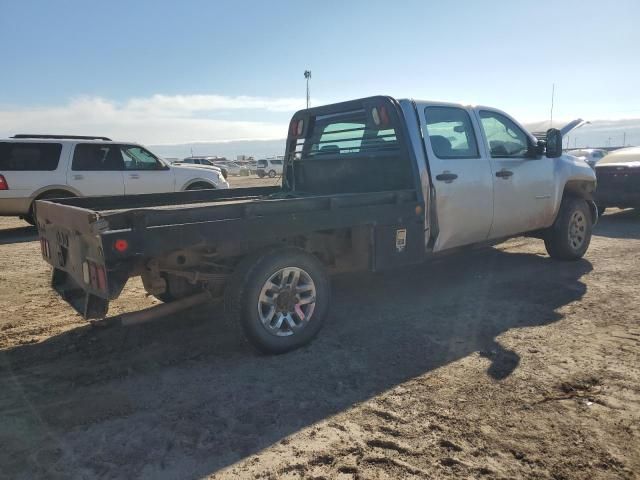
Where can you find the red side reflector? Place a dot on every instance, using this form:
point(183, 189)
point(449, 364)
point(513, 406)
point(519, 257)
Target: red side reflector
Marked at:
point(121, 245)
point(93, 275)
point(3, 183)
point(384, 118)
point(102, 278)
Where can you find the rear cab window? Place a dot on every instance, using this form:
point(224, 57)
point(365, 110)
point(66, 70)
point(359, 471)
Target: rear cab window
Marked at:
point(24, 156)
point(349, 147)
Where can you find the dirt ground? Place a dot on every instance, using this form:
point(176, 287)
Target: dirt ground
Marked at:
point(498, 364)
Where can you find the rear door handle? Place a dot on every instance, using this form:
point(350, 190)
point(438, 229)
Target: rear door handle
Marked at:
point(134, 175)
point(446, 177)
point(504, 173)
point(78, 177)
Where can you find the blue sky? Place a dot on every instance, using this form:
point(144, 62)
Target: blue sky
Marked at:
point(166, 72)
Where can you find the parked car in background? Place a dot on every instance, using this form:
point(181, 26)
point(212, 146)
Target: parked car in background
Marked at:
point(589, 155)
point(233, 168)
point(618, 176)
point(207, 162)
point(34, 167)
point(269, 167)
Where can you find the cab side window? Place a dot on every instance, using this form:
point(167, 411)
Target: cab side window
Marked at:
point(505, 138)
point(451, 132)
point(137, 158)
point(97, 157)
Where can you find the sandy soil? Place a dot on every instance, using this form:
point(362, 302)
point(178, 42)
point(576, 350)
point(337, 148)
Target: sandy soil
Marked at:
point(499, 364)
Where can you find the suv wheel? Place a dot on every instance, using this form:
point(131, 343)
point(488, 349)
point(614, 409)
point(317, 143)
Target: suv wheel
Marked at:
point(570, 235)
point(272, 173)
point(29, 218)
point(278, 299)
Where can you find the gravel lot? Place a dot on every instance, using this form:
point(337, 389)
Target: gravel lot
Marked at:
point(498, 364)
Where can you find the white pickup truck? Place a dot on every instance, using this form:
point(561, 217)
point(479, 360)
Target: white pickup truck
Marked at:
point(34, 167)
point(369, 184)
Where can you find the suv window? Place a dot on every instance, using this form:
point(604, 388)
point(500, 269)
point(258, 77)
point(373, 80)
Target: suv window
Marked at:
point(138, 158)
point(97, 157)
point(451, 133)
point(505, 138)
point(29, 156)
point(276, 162)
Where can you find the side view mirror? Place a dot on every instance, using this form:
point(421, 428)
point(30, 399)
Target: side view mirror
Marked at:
point(554, 143)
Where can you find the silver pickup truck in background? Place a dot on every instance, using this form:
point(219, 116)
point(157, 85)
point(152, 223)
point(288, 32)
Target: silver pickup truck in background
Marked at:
point(368, 184)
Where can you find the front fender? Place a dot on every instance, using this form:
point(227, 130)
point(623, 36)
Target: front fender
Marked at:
point(576, 178)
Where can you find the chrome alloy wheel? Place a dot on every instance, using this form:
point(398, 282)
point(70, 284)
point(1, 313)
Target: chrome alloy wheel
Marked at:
point(577, 230)
point(287, 301)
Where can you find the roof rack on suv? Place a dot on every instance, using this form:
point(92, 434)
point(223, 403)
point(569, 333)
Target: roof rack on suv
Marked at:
point(61, 137)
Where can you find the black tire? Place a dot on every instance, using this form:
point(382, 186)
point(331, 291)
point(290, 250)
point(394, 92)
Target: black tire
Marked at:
point(29, 218)
point(272, 173)
point(201, 186)
point(261, 174)
point(242, 295)
point(570, 235)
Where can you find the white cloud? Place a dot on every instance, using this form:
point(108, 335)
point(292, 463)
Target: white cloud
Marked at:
point(159, 119)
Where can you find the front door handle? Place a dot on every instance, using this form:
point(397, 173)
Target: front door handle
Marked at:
point(78, 177)
point(134, 175)
point(447, 177)
point(504, 173)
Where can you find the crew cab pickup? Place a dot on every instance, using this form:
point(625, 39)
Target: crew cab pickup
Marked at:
point(368, 184)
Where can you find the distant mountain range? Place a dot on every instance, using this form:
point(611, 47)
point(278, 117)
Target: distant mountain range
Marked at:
point(599, 133)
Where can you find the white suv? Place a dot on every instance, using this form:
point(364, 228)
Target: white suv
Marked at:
point(269, 167)
point(33, 167)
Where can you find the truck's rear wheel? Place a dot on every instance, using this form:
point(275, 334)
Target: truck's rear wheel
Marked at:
point(279, 299)
point(570, 235)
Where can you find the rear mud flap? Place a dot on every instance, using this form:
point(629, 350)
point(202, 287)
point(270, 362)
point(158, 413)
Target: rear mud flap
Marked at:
point(86, 304)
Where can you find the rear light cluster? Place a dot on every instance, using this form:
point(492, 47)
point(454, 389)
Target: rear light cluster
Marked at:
point(94, 275)
point(44, 248)
point(296, 128)
point(380, 116)
point(3, 183)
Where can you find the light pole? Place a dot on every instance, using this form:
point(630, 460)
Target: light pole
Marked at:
point(307, 75)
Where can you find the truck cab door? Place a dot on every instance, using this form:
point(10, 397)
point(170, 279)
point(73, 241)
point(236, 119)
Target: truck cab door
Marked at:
point(96, 169)
point(460, 176)
point(144, 173)
point(522, 184)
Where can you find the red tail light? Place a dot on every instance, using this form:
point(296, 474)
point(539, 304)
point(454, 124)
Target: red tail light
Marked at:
point(121, 245)
point(3, 183)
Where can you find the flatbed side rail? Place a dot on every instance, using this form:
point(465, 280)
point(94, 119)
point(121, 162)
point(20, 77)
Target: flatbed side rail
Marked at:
point(252, 207)
point(265, 225)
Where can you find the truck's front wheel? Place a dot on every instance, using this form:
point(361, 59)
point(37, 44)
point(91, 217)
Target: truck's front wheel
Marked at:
point(570, 235)
point(279, 298)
